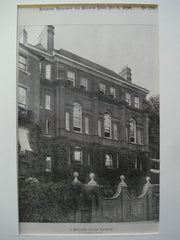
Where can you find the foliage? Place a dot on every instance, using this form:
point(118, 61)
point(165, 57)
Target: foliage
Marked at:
point(153, 110)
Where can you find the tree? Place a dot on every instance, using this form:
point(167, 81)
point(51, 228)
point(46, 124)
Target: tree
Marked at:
point(153, 109)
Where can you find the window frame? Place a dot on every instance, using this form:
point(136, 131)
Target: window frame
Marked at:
point(77, 118)
point(22, 65)
point(67, 121)
point(86, 125)
point(115, 131)
point(48, 161)
point(48, 72)
point(110, 165)
point(47, 102)
point(128, 98)
point(84, 86)
point(22, 104)
point(71, 80)
point(112, 94)
point(137, 103)
point(79, 150)
point(134, 131)
point(102, 88)
point(107, 127)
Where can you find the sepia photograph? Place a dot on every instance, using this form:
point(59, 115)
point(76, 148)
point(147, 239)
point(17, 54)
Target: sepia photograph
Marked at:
point(88, 148)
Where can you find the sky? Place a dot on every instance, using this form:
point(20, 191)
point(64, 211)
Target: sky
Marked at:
point(111, 45)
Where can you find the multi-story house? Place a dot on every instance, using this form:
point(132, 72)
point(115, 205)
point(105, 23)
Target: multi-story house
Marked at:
point(74, 113)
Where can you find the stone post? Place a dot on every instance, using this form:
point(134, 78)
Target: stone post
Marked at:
point(123, 187)
point(150, 210)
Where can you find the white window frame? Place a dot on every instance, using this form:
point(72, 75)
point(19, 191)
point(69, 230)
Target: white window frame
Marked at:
point(48, 72)
point(136, 102)
point(107, 125)
point(83, 83)
point(86, 125)
point(131, 137)
point(113, 92)
point(22, 97)
point(102, 88)
point(22, 63)
point(67, 121)
point(128, 98)
point(48, 162)
point(47, 127)
point(99, 128)
point(79, 151)
point(115, 131)
point(110, 164)
point(47, 102)
point(71, 77)
point(77, 117)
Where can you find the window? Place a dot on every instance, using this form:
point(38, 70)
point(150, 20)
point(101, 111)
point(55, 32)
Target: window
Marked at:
point(99, 129)
point(48, 164)
point(128, 98)
point(107, 125)
point(112, 92)
point(132, 131)
point(136, 102)
point(109, 161)
point(47, 127)
point(86, 125)
point(77, 117)
point(115, 132)
point(139, 135)
point(71, 78)
point(78, 154)
point(48, 71)
point(22, 97)
point(138, 164)
point(22, 63)
point(47, 102)
point(102, 88)
point(67, 121)
point(84, 83)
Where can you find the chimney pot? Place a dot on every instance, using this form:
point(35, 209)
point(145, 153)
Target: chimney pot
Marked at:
point(126, 73)
point(25, 36)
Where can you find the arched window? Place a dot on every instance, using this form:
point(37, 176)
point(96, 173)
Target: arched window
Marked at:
point(132, 131)
point(107, 125)
point(77, 117)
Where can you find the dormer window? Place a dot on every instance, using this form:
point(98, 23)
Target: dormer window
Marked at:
point(83, 83)
point(112, 92)
point(22, 63)
point(48, 72)
point(102, 88)
point(136, 102)
point(128, 98)
point(71, 78)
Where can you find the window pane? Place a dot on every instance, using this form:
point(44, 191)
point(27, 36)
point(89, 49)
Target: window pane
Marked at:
point(107, 125)
point(77, 117)
point(47, 127)
point(115, 132)
point(47, 102)
point(112, 92)
point(48, 71)
point(99, 128)
point(78, 155)
point(48, 164)
point(67, 121)
point(108, 160)
point(22, 63)
point(102, 88)
point(132, 131)
point(136, 102)
point(22, 97)
point(128, 98)
point(71, 78)
point(87, 125)
point(84, 83)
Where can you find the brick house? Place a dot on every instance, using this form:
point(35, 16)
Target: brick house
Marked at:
point(81, 115)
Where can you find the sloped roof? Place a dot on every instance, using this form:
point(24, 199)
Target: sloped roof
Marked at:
point(84, 61)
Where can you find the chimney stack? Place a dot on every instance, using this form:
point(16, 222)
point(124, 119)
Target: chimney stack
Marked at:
point(50, 38)
point(126, 73)
point(25, 36)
